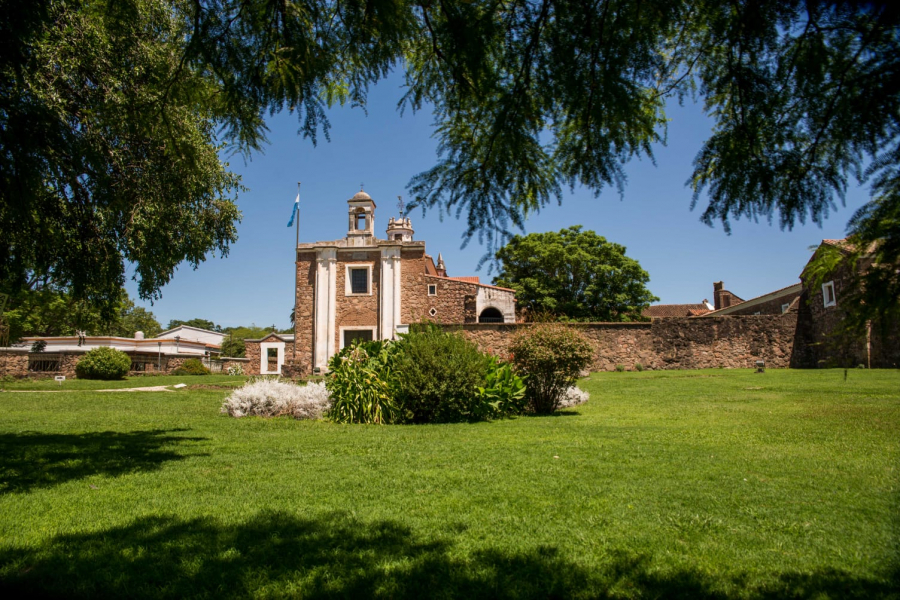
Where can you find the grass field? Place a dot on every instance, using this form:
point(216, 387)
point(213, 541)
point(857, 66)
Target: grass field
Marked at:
point(691, 484)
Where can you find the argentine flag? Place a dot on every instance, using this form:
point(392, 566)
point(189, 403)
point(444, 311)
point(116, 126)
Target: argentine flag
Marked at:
point(295, 210)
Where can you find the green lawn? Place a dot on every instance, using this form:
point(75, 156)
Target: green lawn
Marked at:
point(691, 484)
point(76, 385)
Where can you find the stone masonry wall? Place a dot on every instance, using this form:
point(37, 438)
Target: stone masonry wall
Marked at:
point(680, 343)
point(413, 289)
point(352, 310)
point(251, 353)
point(300, 352)
point(13, 363)
point(454, 303)
point(820, 343)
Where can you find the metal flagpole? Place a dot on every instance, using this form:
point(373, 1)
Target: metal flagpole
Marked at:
point(296, 275)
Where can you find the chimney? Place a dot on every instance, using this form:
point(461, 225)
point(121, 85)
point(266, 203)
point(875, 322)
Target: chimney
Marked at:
point(718, 292)
point(441, 269)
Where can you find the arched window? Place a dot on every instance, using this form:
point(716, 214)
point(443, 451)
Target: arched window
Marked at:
point(490, 315)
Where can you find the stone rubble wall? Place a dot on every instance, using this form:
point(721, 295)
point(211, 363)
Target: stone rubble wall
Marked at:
point(678, 343)
point(252, 354)
point(14, 363)
point(820, 341)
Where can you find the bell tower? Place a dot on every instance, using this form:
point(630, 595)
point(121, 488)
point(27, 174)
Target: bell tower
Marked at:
point(361, 211)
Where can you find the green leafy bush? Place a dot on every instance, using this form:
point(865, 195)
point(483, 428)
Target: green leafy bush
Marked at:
point(429, 376)
point(503, 393)
point(358, 386)
point(436, 376)
point(638, 367)
point(192, 366)
point(103, 363)
point(550, 356)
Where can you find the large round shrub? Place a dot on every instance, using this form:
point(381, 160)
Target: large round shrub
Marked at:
point(436, 375)
point(550, 356)
point(103, 363)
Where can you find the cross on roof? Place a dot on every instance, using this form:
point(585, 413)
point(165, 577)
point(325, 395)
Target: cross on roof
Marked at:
point(401, 205)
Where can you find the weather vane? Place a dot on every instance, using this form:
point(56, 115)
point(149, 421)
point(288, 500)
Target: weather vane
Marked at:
point(361, 186)
point(401, 205)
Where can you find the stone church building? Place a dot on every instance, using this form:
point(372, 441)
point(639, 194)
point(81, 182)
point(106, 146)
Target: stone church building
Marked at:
point(363, 287)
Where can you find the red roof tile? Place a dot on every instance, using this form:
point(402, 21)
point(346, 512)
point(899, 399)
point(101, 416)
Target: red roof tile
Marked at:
point(466, 279)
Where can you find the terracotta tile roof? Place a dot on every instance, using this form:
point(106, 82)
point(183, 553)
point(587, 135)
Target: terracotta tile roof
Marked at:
point(466, 279)
point(674, 310)
point(430, 269)
point(847, 245)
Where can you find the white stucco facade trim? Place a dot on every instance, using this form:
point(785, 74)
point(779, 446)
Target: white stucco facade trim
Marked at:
point(325, 306)
point(348, 288)
point(502, 300)
point(264, 357)
point(389, 292)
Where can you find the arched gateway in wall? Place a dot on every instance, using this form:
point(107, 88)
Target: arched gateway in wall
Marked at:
point(490, 315)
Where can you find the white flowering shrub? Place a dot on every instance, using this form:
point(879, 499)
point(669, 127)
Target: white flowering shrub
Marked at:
point(272, 398)
point(573, 397)
point(236, 370)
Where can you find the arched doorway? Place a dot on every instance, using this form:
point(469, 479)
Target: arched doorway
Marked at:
point(490, 315)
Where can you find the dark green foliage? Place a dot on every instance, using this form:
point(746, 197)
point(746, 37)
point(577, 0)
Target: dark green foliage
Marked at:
point(233, 347)
point(192, 366)
point(108, 149)
point(551, 356)
point(39, 346)
point(436, 375)
point(109, 111)
point(358, 382)
point(504, 392)
point(573, 274)
point(103, 363)
point(49, 310)
point(198, 323)
point(429, 376)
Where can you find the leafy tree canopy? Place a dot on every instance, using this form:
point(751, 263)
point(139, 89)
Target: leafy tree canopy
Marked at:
point(199, 323)
point(50, 311)
point(574, 274)
point(112, 112)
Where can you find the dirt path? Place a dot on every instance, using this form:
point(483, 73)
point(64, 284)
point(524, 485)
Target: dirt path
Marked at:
point(152, 388)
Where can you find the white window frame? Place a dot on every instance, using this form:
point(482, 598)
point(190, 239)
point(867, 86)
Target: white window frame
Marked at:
point(785, 307)
point(432, 289)
point(348, 286)
point(825, 288)
point(264, 357)
point(373, 329)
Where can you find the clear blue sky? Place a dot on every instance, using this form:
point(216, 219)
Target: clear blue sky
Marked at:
point(383, 150)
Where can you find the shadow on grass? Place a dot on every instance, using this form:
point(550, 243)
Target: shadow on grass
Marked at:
point(563, 412)
point(335, 555)
point(36, 460)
